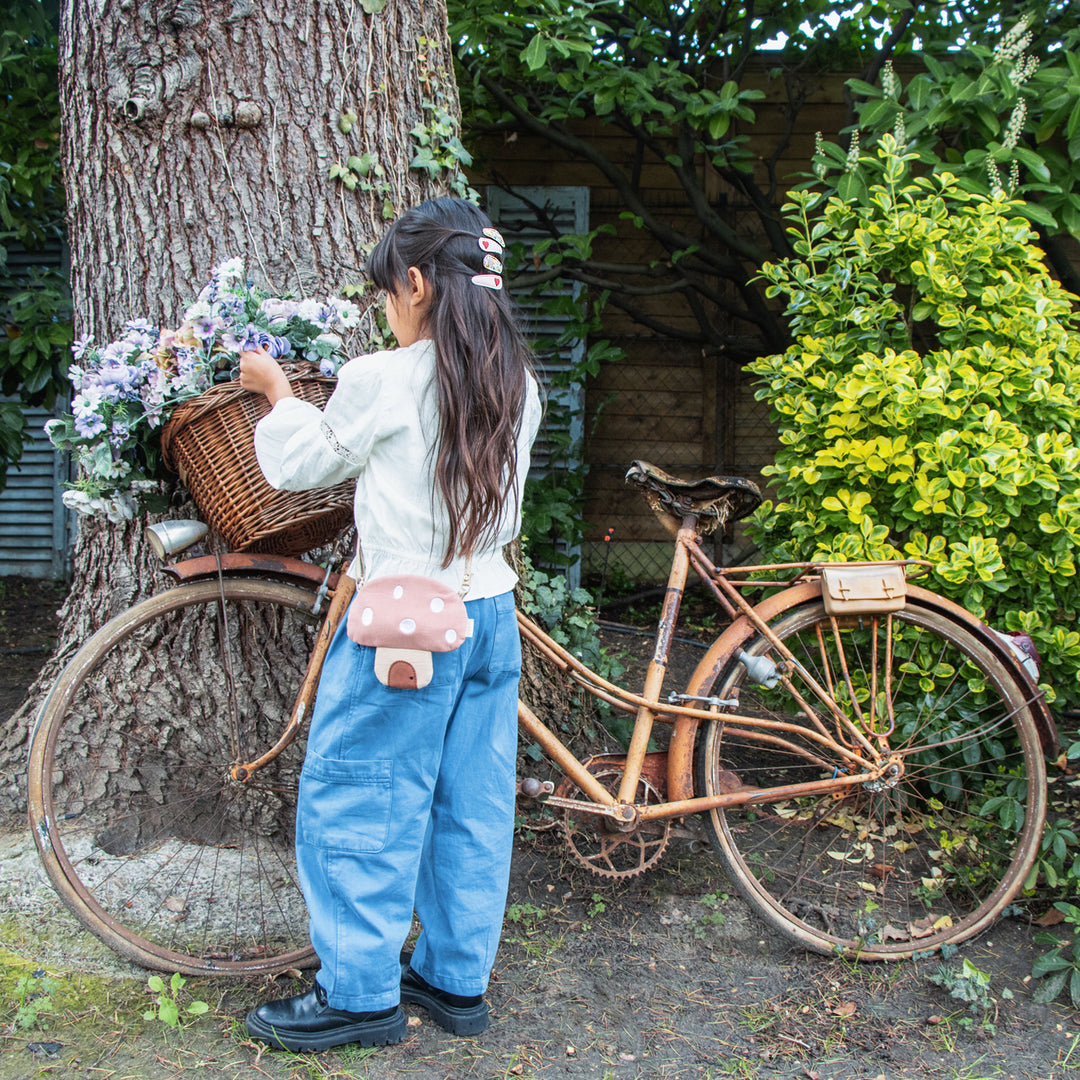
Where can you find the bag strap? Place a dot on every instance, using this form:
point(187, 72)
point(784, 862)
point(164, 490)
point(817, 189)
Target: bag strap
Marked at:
point(466, 580)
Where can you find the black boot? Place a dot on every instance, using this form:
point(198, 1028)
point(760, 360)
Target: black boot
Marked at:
point(456, 1013)
point(307, 1022)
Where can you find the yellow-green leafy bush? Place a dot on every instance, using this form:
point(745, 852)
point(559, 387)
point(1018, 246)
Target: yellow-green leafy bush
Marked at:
point(930, 402)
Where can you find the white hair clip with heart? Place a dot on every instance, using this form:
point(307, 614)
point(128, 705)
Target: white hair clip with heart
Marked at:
point(488, 281)
point(487, 244)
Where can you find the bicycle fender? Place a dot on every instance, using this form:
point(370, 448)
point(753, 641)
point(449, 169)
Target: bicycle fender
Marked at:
point(1040, 711)
point(238, 562)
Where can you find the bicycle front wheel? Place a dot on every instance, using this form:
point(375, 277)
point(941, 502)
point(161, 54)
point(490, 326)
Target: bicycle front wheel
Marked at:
point(141, 827)
point(895, 867)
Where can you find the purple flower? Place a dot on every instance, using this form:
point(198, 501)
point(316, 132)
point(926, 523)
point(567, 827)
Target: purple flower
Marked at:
point(140, 326)
point(89, 424)
point(251, 337)
point(118, 380)
point(228, 306)
point(114, 351)
point(138, 340)
point(206, 327)
point(278, 312)
point(326, 367)
point(279, 347)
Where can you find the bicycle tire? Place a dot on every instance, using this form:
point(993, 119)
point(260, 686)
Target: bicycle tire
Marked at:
point(902, 871)
point(141, 829)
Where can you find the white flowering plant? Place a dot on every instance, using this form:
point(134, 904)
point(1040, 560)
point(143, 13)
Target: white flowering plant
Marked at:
point(126, 390)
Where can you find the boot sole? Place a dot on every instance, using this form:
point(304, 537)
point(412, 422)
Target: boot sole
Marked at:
point(369, 1033)
point(470, 1021)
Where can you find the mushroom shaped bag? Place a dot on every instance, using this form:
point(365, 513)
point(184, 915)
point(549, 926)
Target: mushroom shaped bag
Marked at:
point(406, 618)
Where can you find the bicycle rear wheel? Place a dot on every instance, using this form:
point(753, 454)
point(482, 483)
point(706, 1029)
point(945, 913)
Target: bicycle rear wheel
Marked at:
point(879, 870)
point(141, 828)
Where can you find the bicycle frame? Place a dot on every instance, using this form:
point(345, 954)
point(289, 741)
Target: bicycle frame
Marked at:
point(865, 753)
point(685, 718)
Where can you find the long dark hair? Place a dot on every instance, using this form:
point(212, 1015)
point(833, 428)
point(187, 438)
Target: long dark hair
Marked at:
point(481, 362)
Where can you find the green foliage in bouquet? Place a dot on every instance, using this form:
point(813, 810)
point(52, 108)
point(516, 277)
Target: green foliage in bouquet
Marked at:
point(928, 405)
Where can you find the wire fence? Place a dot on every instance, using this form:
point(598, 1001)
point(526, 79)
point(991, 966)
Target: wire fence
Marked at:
point(690, 422)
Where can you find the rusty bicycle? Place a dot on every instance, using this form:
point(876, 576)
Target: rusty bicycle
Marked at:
point(866, 758)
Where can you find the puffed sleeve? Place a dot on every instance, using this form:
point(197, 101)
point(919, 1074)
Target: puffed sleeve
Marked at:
point(300, 446)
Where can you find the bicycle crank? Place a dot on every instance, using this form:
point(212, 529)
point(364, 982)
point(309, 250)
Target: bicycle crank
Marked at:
point(598, 841)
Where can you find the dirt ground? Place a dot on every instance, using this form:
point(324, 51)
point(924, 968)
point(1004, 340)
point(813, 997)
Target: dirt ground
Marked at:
point(667, 976)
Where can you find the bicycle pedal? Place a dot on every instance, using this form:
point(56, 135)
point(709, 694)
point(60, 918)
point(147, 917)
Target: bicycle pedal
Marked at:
point(532, 788)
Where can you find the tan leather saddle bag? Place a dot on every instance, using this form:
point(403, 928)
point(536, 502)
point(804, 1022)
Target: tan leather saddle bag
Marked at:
point(874, 588)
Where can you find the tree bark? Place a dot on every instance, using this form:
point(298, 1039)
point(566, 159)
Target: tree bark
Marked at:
point(195, 131)
point(198, 130)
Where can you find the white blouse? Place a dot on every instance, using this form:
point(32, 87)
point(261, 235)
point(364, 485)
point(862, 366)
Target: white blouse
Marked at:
point(379, 426)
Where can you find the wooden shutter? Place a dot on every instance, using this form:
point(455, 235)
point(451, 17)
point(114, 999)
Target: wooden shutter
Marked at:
point(569, 209)
point(34, 523)
point(35, 526)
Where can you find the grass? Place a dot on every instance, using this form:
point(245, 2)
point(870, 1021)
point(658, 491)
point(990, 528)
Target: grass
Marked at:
point(600, 967)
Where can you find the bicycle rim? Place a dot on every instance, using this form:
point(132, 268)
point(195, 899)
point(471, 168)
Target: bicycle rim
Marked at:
point(880, 871)
point(142, 830)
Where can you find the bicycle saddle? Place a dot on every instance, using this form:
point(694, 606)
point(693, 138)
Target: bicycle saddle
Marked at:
point(715, 501)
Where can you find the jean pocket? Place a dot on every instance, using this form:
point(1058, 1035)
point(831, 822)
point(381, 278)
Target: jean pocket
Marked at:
point(345, 805)
point(506, 640)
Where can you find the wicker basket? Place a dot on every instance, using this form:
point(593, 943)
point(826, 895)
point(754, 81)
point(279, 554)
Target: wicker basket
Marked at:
point(208, 441)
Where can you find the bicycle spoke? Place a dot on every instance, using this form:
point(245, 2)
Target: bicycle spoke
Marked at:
point(186, 869)
point(892, 866)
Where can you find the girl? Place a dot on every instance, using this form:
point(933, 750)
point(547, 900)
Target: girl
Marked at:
point(407, 795)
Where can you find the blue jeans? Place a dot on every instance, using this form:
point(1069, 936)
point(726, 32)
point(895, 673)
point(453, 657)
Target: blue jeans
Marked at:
point(407, 801)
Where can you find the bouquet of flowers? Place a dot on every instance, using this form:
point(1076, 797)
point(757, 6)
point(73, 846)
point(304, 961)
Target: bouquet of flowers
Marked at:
point(126, 390)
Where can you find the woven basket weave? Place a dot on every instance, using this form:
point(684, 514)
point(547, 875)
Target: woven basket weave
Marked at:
point(209, 442)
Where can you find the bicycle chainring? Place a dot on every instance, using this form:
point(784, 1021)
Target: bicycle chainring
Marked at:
point(605, 851)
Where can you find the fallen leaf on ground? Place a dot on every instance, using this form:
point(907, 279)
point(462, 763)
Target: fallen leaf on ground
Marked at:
point(1050, 918)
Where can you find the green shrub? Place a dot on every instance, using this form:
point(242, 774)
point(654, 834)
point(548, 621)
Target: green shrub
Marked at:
point(929, 403)
point(569, 617)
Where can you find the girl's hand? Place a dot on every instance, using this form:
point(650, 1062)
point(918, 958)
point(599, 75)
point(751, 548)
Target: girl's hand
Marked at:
point(262, 374)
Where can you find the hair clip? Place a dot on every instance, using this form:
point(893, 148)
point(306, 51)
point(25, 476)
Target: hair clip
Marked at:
point(489, 245)
point(488, 281)
point(491, 262)
point(495, 235)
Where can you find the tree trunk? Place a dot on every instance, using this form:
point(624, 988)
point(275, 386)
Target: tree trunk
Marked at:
point(198, 130)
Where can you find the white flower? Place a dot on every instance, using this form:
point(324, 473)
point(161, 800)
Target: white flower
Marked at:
point(80, 502)
point(120, 508)
point(348, 314)
point(229, 272)
point(126, 389)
